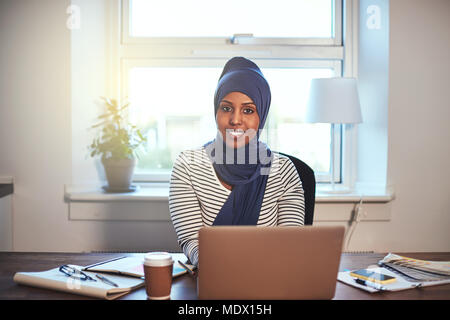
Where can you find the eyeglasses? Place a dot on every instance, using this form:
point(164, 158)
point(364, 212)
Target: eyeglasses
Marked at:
point(74, 273)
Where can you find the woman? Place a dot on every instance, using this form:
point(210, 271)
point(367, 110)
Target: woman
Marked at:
point(234, 179)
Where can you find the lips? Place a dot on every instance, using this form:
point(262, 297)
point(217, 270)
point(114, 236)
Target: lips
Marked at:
point(235, 133)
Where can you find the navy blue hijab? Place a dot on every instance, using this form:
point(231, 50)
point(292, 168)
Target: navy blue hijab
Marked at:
point(249, 167)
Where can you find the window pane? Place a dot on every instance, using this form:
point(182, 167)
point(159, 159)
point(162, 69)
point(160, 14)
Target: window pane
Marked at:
point(175, 106)
point(206, 18)
point(286, 130)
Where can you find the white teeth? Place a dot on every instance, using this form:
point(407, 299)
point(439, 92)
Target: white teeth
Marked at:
point(236, 133)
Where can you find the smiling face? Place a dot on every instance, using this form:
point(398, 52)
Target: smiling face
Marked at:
point(237, 119)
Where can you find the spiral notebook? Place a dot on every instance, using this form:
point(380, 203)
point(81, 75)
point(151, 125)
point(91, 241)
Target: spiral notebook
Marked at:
point(53, 279)
point(132, 265)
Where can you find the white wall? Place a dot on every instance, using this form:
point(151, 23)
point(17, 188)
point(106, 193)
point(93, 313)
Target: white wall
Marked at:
point(417, 115)
point(373, 85)
point(35, 118)
point(36, 135)
point(419, 130)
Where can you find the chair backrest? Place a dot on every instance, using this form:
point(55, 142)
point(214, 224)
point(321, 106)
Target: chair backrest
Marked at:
point(308, 179)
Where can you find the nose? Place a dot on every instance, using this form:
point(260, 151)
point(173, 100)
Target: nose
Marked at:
point(235, 118)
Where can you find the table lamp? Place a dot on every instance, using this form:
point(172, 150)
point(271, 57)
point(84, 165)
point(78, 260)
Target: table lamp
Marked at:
point(335, 101)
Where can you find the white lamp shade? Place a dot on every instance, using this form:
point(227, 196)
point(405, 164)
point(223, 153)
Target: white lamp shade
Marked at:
point(333, 100)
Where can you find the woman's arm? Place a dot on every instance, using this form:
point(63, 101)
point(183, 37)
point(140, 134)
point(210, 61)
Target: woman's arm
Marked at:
point(291, 205)
point(185, 209)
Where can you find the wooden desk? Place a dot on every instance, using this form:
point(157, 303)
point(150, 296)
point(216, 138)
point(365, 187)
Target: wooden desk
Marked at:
point(185, 287)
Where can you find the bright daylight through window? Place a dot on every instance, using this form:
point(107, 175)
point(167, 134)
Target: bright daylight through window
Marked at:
point(206, 18)
point(171, 95)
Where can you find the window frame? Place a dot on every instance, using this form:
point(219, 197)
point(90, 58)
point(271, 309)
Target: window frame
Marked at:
point(128, 64)
point(134, 51)
point(336, 40)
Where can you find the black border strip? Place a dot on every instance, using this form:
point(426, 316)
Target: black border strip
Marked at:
point(6, 189)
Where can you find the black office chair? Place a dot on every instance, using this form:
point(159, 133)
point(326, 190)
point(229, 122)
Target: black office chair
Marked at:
point(309, 186)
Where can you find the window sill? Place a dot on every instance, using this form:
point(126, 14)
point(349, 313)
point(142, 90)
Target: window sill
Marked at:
point(149, 203)
point(94, 193)
point(160, 192)
point(371, 194)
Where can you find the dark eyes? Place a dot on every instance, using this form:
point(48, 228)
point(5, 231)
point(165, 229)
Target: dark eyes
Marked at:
point(225, 108)
point(229, 109)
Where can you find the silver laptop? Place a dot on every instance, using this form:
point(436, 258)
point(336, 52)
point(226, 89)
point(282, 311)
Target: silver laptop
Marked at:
point(247, 262)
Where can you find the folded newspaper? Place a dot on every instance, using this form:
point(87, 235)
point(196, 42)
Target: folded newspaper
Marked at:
point(415, 269)
point(409, 273)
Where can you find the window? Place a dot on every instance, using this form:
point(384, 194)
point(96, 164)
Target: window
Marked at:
point(204, 18)
point(171, 61)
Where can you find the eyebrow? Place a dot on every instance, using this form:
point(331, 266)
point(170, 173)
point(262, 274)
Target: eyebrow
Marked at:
point(245, 103)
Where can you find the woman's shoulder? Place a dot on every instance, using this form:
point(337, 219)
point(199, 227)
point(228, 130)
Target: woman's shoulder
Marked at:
point(191, 156)
point(192, 152)
point(280, 156)
point(283, 169)
point(197, 152)
point(281, 161)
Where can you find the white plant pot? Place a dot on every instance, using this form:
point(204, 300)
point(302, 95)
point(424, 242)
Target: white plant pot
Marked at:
point(119, 173)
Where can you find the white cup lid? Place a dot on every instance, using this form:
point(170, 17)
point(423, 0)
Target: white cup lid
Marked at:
point(158, 259)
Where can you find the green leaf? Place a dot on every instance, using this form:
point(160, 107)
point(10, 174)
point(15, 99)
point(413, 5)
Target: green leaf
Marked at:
point(117, 137)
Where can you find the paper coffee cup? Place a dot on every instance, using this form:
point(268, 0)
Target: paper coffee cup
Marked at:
point(158, 275)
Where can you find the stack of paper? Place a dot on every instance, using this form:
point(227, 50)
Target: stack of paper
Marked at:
point(409, 273)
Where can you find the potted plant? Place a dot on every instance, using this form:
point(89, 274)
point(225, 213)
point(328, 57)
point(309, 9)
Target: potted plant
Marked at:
point(117, 143)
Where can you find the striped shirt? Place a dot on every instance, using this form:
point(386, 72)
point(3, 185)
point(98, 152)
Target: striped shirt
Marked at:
point(196, 196)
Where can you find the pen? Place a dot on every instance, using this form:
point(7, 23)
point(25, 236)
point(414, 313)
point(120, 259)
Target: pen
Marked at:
point(370, 284)
point(106, 280)
point(186, 267)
